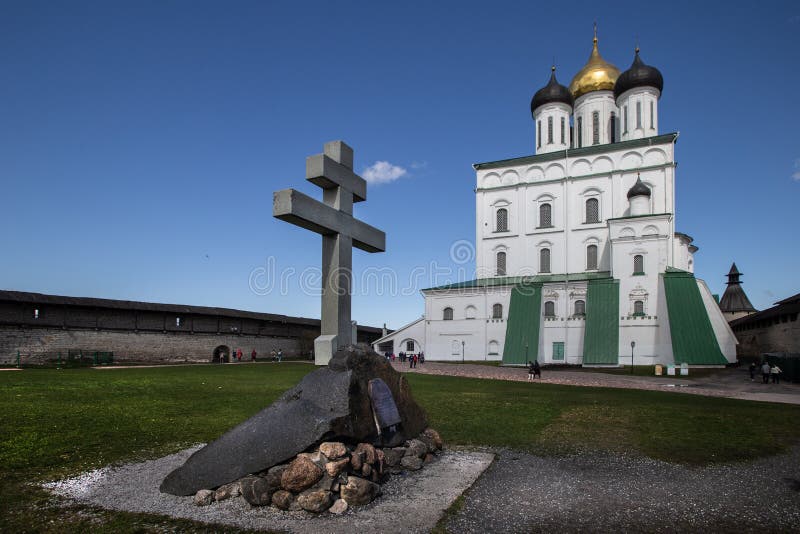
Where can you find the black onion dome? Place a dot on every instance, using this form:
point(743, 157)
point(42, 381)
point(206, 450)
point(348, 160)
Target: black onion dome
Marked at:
point(639, 75)
point(552, 92)
point(638, 189)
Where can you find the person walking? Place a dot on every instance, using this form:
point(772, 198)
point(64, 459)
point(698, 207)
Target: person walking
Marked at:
point(537, 371)
point(280, 355)
point(530, 371)
point(253, 355)
point(239, 354)
point(765, 372)
point(775, 373)
point(752, 370)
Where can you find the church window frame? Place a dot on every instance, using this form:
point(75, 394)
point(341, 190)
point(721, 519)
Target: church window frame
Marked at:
point(501, 220)
point(549, 309)
point(638, 115)
point(470, 312)
point(638, 308)
point(652, 116)
point(544, 260)
point(447, 314)
point(592, 210)
point(563, 131)
point(550, 130)
point(494, 348)
point(638, 264)
point(410, 345)
point(625, 119)
point(500, 263)
point(539, 133)
point(580, 132)
point(579, 308)
point(545, 215)
point(595, 127)
point(591, 257)
point(612, 128)
point(497, 311)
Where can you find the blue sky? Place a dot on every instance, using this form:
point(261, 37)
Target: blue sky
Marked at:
point(140, 142)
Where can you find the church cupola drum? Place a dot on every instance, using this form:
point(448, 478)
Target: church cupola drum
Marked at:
point(551, 108)
point(637, 91)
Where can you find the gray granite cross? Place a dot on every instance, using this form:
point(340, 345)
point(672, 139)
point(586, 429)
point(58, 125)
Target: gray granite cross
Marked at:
point(333, 218)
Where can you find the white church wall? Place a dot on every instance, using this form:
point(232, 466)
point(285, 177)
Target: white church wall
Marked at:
point(603, 103)
point(722, 330)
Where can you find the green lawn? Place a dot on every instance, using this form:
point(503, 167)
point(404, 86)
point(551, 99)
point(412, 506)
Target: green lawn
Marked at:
point(55, 423)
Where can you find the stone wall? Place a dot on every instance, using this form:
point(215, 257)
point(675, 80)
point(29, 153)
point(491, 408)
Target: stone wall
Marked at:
point(776, 337)
point(40, 345)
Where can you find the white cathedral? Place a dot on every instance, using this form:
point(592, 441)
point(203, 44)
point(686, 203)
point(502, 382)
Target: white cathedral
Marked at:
point(578, 260)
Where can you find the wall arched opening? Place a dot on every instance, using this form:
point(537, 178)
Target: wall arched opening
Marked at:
point(222, 354)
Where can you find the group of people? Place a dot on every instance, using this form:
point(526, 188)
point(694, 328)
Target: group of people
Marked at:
point(534, 370)
point(412, 359)
point(767, 371)
point(236, 355)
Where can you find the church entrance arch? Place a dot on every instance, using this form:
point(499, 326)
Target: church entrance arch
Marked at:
point(221, 354)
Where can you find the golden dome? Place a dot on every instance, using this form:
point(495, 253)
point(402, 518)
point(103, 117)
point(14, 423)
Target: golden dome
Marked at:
point(597, 75)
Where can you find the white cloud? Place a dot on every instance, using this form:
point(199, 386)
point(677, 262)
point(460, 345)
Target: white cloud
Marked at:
point(382, 172)
point(796, 173)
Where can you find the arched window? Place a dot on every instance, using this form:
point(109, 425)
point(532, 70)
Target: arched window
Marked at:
point(580, 308)
point(638, 264)
point(502, 220)
point(544, 260)
point(494, 348)
point(497, 311)
point(550, 130)
point(652, 117)
point(545, 215)
point(592, 210)
point(549, 309)
point(539, 133)
point(638, 115)
point(409, 346)
point(470, 312)
point(501, 263)
point(447, 314)
point(580, 132)
point(638, 307)
point(563, 131)
point(612, 128)
point(595, 127)
point(591, 258)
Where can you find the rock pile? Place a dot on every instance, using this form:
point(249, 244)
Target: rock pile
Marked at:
point(332, 477)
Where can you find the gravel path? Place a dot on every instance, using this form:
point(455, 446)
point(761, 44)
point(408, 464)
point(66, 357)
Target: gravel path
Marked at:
point(730, 382)
point(614, 493)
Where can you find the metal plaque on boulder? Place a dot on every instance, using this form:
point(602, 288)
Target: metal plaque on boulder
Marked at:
point(384, 408)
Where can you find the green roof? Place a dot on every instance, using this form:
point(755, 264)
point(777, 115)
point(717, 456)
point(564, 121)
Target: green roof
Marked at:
point(512, 280)
point(522, 326)
point(601, 337)
point(693, 338)
point(583, 151)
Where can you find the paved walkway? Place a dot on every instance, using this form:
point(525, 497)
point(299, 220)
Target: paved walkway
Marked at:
point(731, 382)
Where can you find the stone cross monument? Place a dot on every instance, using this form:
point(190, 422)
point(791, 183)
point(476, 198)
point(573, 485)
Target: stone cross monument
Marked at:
point(333, 218)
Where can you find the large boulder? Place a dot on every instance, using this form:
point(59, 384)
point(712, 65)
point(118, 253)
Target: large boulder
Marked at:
point(329, 404)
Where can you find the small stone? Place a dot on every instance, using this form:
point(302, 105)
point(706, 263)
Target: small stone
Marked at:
point(358, 491)
point(314, 500)
point(369, 452)
point(357, 460)
point(366, 470)
point(380, 461)
point(227, 491)
point(203, 497)
point(256, 490)
point(416, 448)
point(337, 466)
point(434, 436)
point(339, 507)
point(411, 462)
point(333, 449)
point(282, 499)
point(301, 474)
point(393, 456)
point(428, 458)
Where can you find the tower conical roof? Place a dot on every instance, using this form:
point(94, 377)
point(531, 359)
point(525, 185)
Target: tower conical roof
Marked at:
point(734, 298)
